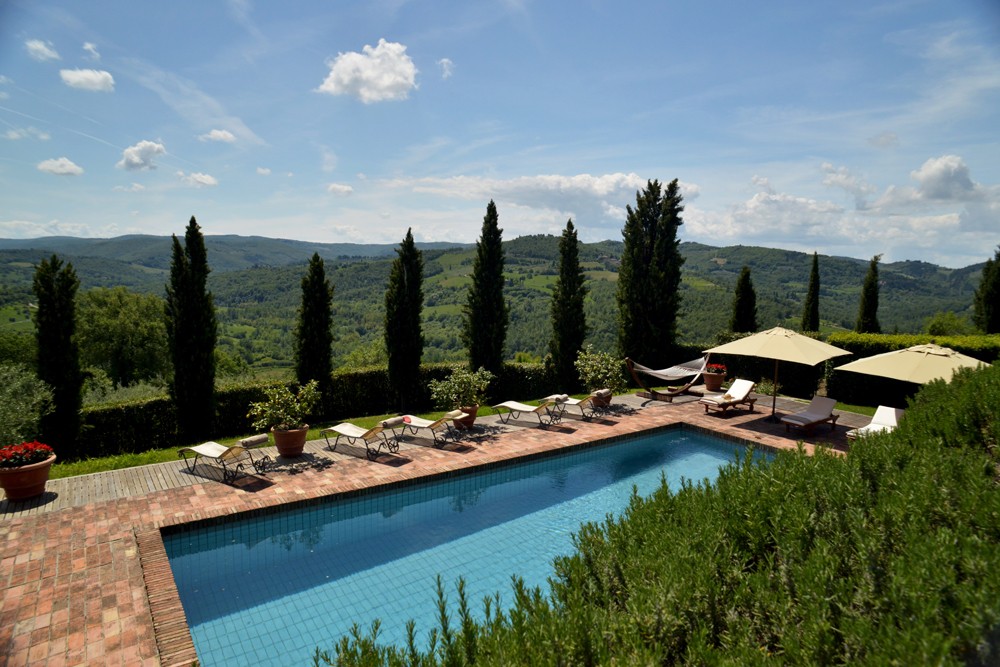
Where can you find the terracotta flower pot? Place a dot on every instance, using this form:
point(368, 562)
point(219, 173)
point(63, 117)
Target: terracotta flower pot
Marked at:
point(291, 442)
point(713, 381)
point(465, 423)
point(26, 481)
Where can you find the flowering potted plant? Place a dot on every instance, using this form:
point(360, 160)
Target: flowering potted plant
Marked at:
point(24, 469)
point(285, 414)
point(462, 390)
point(601, 373)
point(714, 375)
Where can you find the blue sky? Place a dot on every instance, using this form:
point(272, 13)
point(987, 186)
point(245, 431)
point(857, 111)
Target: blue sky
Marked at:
point(848, 128)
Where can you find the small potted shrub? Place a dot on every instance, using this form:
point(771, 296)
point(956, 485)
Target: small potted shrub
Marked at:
point(601, 373)
point(284, 413)
point(24, 469)
point(464, 390)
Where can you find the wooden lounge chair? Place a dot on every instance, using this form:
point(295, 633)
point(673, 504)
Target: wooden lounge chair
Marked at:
point(589, 406)
point(738, 394)
point(819, 410)
point(549, 412)
point(229, 457)
point(884, 419)
point(440, 428)
point(374, 438)
point(691, 369)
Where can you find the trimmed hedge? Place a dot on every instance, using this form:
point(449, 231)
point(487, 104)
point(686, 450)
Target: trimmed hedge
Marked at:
point(886, 556)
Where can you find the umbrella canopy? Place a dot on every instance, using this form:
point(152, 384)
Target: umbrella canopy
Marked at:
point(919, 364)
point(781, 344)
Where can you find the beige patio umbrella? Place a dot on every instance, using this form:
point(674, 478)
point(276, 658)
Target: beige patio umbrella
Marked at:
point(780, 344)
point(919, 364)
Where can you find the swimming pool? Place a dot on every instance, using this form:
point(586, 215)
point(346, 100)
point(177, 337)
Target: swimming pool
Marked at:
point(267, 590)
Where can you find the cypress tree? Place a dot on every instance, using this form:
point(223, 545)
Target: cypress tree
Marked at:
point(569, 322)
point(55, 289)
point(486, 313)
point(404, 338)
point(744, 319)
point(986, 302)
point(314, 330)
point(649, 279)
point(810, 309)
point(191, 335)
point(868, 309)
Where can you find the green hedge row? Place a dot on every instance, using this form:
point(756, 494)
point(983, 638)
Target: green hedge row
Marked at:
point(885, 557)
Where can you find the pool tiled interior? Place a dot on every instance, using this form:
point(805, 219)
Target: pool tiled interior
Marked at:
point(90, 584)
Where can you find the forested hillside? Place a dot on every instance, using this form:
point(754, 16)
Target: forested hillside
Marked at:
point(256, 284)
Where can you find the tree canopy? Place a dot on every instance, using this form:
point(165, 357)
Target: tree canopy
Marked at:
point(569, 321)
point(868, 307)
point(987, 299)
point(404, 339)
point(744, 319)
point(314, 328)
point(810, 308)
point(486, 313)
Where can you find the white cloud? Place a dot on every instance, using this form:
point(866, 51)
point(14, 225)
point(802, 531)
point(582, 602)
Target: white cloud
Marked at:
point(329, 159)
point(339, 189)
point(28, 229)
point(224, 136)
point(884, 140)
point(946, 177)
point(378, 74)
point(62, 166)
point(40, 50)
point(88, 79)
point(26, 133)
point(135, 187)
point(91, 48)
point(841, 177)
point(263, 171)
point(447, 68)
point(197, 180)
point(140, 156)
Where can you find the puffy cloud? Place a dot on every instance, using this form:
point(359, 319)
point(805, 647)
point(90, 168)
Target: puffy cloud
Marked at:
point(88, 79)
point(197, 179)
point(224, 136)
point(91, 48)
point(447, 67)
point(945, 177)
point(40, 50)
point(62, 166)
point(339, 189)
point(263, 171)
point(841, 177)
point(140, 156)
point(379, 73)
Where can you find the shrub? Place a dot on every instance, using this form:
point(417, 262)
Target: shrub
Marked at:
point(463, 388)
point(601, 370)
point(23, 400)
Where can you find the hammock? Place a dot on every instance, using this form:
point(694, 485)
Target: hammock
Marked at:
point(694, 368)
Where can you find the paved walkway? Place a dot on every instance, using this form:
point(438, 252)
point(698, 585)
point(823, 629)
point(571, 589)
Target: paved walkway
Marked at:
point(84, 577)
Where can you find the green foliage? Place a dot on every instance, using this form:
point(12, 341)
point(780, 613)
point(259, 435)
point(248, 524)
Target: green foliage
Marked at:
point(191, 334)
point(55, 289)
point(123, 334)
point(810, 307)
point(486, 313)
point(404, 339)
point(569, 320)
point(313, 333)
point(744, 319)
point(23, 400)
point(283, 410)
point(868, 306)
point(886, 556)
point(986, 301)
point(463, 388)
point(649, 279)
point(947, 323)
point(601, 370)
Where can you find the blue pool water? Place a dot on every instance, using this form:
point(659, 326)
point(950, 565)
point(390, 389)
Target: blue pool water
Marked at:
point(268, 590)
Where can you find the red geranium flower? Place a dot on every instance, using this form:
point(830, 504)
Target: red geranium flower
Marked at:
point(716, 368)
point(15, 456)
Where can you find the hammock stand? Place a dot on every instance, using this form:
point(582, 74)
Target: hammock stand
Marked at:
point(695, 368)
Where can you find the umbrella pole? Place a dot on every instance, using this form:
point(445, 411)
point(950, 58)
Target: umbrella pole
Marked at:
point(774, 396)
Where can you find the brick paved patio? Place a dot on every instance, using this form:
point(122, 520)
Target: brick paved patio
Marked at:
point(84, 577)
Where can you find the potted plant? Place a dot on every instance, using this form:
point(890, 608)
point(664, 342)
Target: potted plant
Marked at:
point(601, 373)
point(284, 413)
point(24, 469)
point(464, 390)
point(714, 375)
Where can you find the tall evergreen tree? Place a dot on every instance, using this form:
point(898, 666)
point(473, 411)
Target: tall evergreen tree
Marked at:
point(810, 309)
point(191, 334)
point(868, 309)
point(486, 313)
point(314, 330)
point(649, 279)
point(744, 319)
point(404, 338)
point(569, 322)
point(987, 298)
point(55, 289)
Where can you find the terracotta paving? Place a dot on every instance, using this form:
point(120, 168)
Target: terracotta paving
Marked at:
point(86, 582)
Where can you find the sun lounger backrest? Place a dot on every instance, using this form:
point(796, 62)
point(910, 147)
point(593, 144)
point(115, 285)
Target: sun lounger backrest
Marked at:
point(886, 416)
point(821, 406)
point(739, 389)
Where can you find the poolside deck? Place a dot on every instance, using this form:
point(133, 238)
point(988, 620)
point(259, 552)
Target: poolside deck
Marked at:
point(85, 580)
